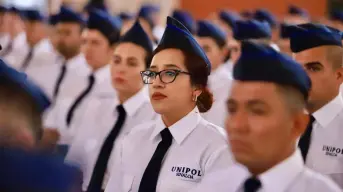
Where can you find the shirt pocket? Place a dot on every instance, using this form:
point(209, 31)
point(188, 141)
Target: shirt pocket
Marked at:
point(127, 182)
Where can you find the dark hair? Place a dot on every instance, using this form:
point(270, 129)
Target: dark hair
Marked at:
point(198, 70)
point(21, 104)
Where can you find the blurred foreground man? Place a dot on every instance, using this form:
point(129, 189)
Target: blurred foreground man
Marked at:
point(319, 50)
point(22, 166)
point(266, 118)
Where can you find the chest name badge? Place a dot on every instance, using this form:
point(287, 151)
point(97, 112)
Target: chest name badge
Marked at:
point(332, 151)
point(186, 172)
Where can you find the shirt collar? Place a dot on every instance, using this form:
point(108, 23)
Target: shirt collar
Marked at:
point(132, 105)
point(329, 111)
point(76, 62)
point(280, 176)
point(102, 73)
point(181, 129)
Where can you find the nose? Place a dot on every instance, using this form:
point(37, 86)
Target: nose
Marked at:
point(157, 83)
point(237, 123)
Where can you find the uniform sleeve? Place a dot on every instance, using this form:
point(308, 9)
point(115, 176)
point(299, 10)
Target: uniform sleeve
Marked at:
point(116, 179)
point(219, 160)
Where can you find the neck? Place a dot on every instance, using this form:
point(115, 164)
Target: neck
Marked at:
point(313, 107)
point(171, 118)
point(70, 56)
point(262, 167)
point(39, 39)
point(124, 96)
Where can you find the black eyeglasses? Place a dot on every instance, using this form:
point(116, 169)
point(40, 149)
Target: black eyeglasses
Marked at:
point(166, 76)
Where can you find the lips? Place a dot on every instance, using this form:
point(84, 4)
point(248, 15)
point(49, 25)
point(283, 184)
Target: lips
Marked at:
point(119, 80)
point(158, 96)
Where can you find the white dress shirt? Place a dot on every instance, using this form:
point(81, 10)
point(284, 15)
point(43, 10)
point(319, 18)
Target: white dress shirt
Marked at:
point(325, 154)
point(102, 89)
point(5, 40)
point(198, 148)
point(19, 51)
point(43, 68)
point(288, 176)
point(220, 82)
point(97, 122)
point(229, 65)
point(77, 72)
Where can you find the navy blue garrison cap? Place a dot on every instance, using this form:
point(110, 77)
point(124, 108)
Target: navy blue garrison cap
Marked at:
point(32, 171)
point(207, 29)
point(95, 5)
point(229, 18)
point(138, 36)
point(298, 11)
point(21, 80)
point(262, 63)
point(284, 34)
point(33, 15)
point(146, 12)
point(14, 10)
point(252, 29)
point(265, 15)
point(68, 15)
point(336, 15)
point(186, 19)
point(126, 16)
point(3, 8)
point(177, 36)
point(307, 36)
point(109, 26)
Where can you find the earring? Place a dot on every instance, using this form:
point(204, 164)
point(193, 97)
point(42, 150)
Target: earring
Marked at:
point(195, 99)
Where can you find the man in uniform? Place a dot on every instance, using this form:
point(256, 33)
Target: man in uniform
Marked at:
point(266, 117)
point(319, 50)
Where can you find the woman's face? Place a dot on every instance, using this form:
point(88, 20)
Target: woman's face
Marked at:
point(174, 96)
point(128, 62)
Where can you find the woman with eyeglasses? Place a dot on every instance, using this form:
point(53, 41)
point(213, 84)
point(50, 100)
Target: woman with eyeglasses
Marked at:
point(178, 150)
point(107, 121)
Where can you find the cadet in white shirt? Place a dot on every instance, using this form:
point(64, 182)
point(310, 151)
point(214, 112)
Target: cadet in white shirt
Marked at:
point(40, 62)
point(15, 54)
point(266, 116)
point(319, 50)
point(74, 69)
point(180, 148)
point(107, 121)
point(98, 38)
point(213, 41)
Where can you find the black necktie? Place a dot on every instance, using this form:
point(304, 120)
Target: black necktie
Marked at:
point(59, 80)
point(305, 139)
point(79, 99)
point(99, 170)
point(150, 176)
point(27, 60)
point(252, 184)
point(7, 50)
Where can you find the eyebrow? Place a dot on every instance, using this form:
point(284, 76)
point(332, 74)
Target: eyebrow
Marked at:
point(313, 63)
point(249, 103)
point(166, 66)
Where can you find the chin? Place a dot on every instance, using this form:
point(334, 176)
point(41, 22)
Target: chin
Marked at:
point(243, 158)
point(160, 107)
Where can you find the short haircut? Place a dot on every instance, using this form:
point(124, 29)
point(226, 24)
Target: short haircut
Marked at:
point(294, 99)
point(334, 54)
point(16, 103)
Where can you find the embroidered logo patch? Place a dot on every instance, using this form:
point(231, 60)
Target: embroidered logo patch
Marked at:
point(186, 173)
point(332, 151)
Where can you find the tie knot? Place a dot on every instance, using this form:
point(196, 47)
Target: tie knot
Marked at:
point(120, 109)
point(91, 78)
point(312, 119)
point(252, 184)
point(166, 135)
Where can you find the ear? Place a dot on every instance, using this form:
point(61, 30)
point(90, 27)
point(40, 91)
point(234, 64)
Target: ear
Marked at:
point(225, 50)
point(196, 91)
point(301, 120)
point(339, 74)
